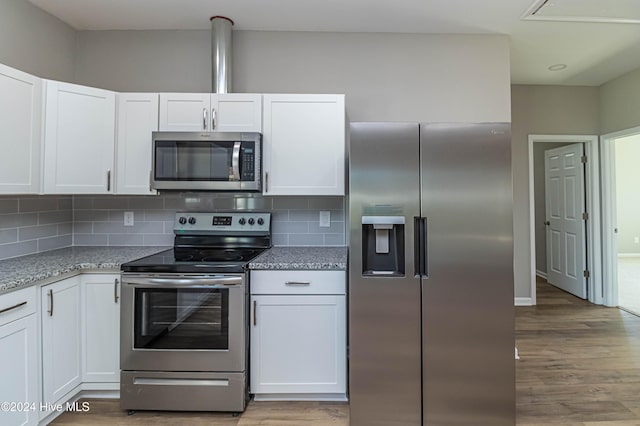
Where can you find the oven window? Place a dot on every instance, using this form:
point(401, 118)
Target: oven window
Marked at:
point(181, 319)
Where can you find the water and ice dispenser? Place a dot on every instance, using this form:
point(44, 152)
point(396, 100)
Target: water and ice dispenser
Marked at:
point(383, 245)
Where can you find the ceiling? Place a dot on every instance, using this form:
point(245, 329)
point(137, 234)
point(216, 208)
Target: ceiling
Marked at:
point(597, 40)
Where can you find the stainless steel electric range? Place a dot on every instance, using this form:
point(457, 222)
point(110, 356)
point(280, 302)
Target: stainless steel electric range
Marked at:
point(184, 327)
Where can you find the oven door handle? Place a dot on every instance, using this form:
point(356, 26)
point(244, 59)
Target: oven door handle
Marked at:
point(186, 282)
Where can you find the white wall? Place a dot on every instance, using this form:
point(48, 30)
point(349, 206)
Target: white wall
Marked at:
point(569, 110)
point(395, 77)
point(36, 42)
point(627, 193)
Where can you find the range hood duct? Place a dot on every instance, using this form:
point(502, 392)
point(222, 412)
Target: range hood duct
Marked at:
point(221, 54)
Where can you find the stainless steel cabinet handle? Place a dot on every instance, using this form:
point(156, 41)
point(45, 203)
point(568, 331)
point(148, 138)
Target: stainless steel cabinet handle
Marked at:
point(204, 119)
point(266, 181)
point(108, 180)
point(115, 290)
point(297, 282)
point(150, 180)
point(13, 307)
point(213, 118)
point(255, 320)
point(50, 303)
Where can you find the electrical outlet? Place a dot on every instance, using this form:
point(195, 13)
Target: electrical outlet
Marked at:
point(325, 219)
point(128, 218)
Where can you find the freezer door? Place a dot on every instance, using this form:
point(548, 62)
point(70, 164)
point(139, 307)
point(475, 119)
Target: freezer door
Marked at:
point(467, 297)
point(384, 293)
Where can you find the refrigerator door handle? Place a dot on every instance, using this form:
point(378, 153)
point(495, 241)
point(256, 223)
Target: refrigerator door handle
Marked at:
point(420, 246)
point(424, 251)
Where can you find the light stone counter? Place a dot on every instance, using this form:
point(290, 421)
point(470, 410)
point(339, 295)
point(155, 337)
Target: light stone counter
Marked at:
point(302, 258)
point(24, 271)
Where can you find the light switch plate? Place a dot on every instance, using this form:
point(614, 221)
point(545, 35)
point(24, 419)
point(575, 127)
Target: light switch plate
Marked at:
point(325, 219)
point(128, 218)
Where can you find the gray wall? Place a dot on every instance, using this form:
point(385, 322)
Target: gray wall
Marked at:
point(36, 42)
point(99, 220)
point(395, 77)
point(620, 103)
point(33, 224)
point(540, 201)
point(541, 110)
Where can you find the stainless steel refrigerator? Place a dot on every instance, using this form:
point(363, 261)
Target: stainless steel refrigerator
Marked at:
point(431, 312)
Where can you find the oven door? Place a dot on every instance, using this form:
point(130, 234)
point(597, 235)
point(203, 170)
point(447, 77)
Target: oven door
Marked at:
point(183, 323)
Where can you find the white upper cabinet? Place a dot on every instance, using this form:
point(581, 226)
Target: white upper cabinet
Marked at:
point(79, 139)
point(304, 144)
point(20, 126)
point(210, 112)
point(137, 118)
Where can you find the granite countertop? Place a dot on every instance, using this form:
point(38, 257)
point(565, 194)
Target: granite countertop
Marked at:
point(289, 258)
point(29, 270)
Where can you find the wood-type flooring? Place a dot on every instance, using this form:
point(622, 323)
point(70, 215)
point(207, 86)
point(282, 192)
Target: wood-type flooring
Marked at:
point(579, 366)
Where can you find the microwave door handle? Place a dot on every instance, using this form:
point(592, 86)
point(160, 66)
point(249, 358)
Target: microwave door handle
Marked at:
point(235, 161)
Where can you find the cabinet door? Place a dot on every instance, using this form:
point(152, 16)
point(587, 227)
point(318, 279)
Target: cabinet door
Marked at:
point(236, 112)
point(61, 368)
point(304, 145)
point(78, 139)
point(137, 118)
point(298, 344)
point(101, 328)
point(20, 124)
point(19, 370)
point(185, 112)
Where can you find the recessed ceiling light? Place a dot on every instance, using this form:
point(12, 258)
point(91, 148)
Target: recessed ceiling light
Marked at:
point(557, 67)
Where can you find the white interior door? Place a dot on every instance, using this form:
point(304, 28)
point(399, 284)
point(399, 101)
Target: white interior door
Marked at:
point(565, 205)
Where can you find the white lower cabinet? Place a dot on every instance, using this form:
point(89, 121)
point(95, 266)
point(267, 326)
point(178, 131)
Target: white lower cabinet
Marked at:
point(298, 335)
point(60, 315)
point(18, 352)
point(100, 330)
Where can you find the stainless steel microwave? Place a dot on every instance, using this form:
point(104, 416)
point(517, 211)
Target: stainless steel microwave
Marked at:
point(198, 161)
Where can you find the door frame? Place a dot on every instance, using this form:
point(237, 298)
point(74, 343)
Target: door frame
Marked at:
point(595, 289)
point(609, 252)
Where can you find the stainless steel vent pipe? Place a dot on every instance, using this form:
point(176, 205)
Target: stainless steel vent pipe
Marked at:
point(221, 54)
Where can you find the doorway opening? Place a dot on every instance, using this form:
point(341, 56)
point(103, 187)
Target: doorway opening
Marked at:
point(537, 221)
point(621, 228)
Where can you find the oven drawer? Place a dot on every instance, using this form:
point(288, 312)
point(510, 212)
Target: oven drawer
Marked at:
point(298, 282)
point(173, 391)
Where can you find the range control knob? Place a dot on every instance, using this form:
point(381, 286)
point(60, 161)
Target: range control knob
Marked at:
point(192, 220)
point(251, 221)
point(242, 221)
point(182, 220)
point(260, 221)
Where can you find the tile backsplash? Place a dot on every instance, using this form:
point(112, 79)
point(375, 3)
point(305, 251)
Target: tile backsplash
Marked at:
point(32, 224)
point(99, 220)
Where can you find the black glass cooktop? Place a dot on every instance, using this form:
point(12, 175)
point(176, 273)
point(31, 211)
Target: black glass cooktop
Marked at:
point(206, 260)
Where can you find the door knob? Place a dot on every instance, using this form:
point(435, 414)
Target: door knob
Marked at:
point(547, 223)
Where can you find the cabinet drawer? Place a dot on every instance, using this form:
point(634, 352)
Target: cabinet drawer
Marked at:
point(17, 304)
point(298, 282)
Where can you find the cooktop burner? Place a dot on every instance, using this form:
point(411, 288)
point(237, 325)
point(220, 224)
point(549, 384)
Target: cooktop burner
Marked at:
point(210, 243)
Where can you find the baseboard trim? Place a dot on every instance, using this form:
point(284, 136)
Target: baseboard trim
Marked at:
point(628, 255)
point(336, 397)
point(523, 301)
point(541, 274)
